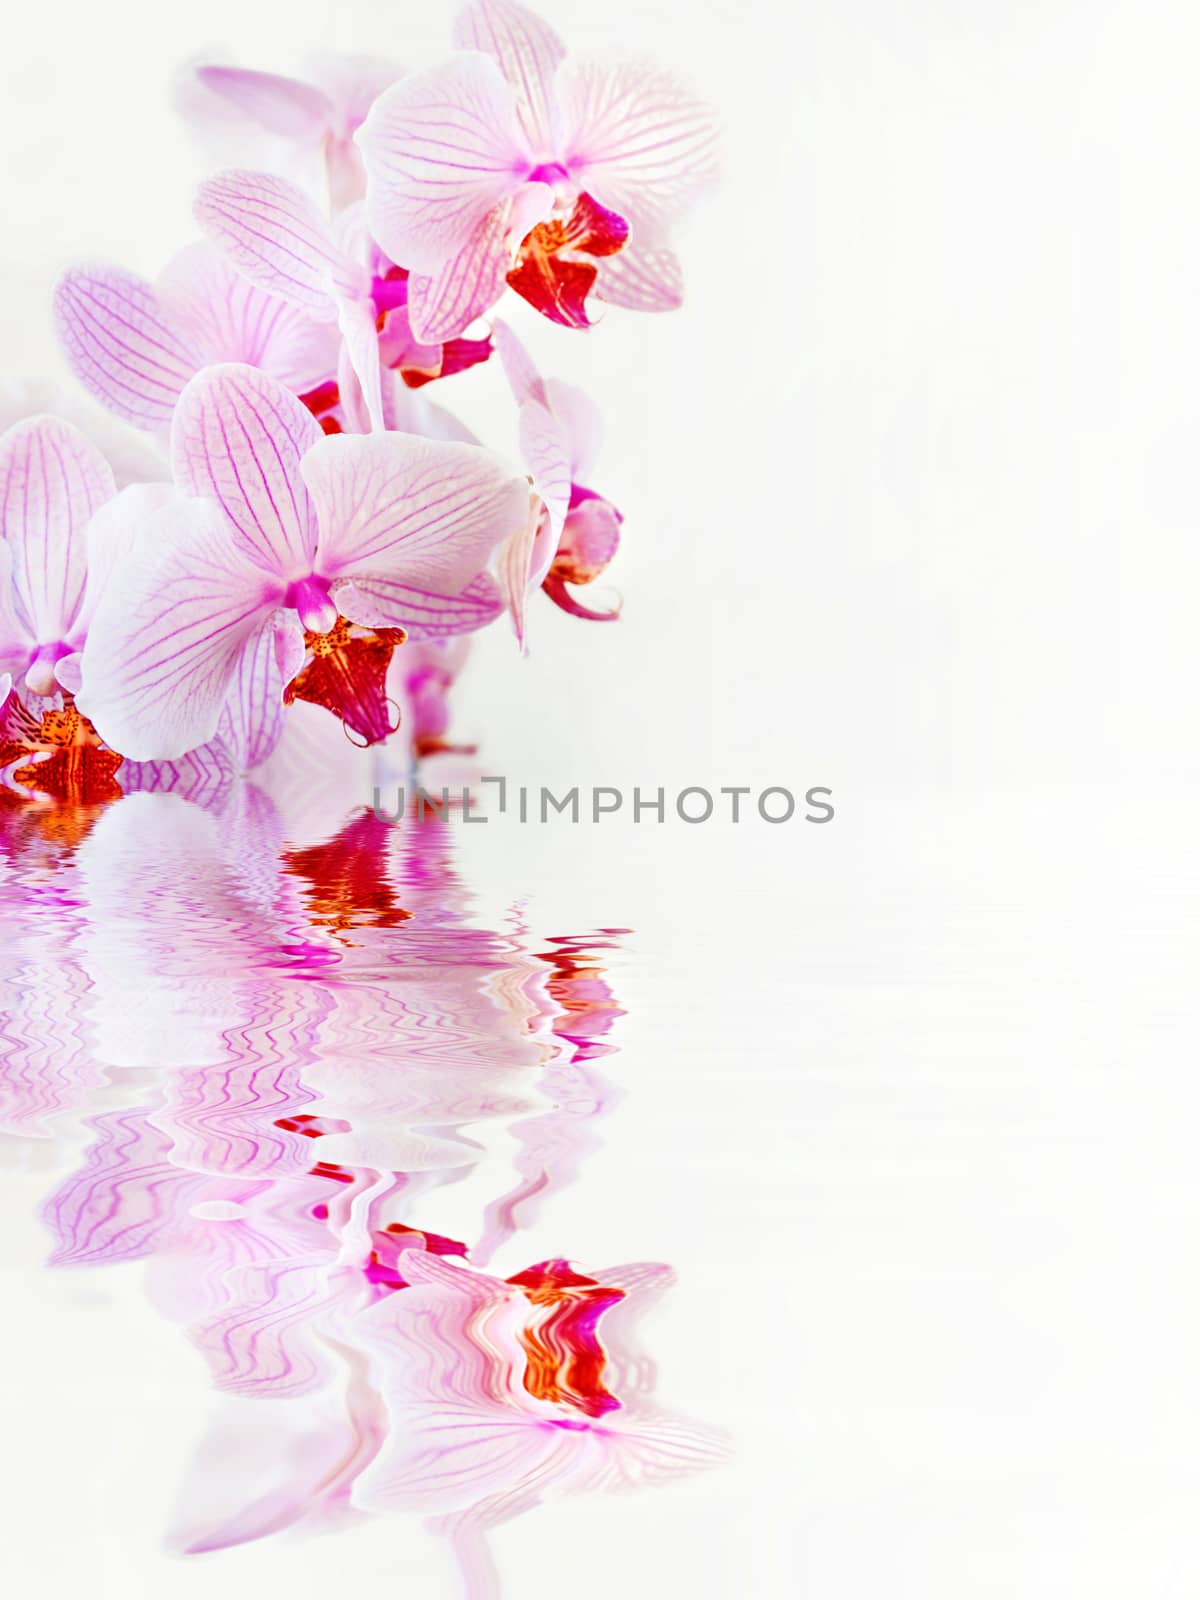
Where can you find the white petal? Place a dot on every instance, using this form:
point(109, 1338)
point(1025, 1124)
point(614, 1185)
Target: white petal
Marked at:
point(638, 141)
point(121, 345)
point(52, 481)
point(528, 52)
point(228, 318)
point(275, 235)
point(442, 148)
point(415, 511)
point(470, 283)
point(165, 645)
point(237, 438)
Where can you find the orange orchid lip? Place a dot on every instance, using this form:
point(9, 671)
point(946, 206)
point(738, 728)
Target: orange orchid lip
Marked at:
point(62, 756)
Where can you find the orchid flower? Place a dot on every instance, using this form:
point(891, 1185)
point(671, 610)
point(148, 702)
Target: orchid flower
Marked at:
point(575, 535)
point(293, 539)
point(318, 117)
point(507, 165)
point(52, 482)
point(136, 345)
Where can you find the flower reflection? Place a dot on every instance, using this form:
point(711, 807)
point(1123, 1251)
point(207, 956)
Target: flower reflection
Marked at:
point(297, 1066)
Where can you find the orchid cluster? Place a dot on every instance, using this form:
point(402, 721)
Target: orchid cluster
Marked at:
point(315, 512)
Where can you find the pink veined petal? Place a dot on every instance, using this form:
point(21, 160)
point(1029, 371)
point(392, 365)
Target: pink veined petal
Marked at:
point(356, 322)
point(17, 643)
point(517, 558)
point(637, 140)
point(237, 438)
point(415, 511)
point(252, 721)
point(52, 481)
point(528, 52)
point(580, 419)
point(165, 645)
point(120, 345)
point(546, 450)
point(523, 377)
point(281, 105)
point(383, 603)
point(470, 283)
point(228, 318)
point(112, 536)
point(641, 280)
point(5, 688)
point(441, 149)
point(275, 235)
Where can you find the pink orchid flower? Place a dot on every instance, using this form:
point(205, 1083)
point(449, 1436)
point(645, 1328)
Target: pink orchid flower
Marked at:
point(65, 532)
point(291, 533)
point(52, 482)
point(317, 117)
point(136, 345)
point(507, 165)
point(575, 535)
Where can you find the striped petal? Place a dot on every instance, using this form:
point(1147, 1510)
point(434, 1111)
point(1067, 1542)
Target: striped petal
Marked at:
point(275, 236)
point(237, 438)
point(384, 603)
point(470, 283)
point(252, 721)
point(528, 52)
point(52, 482)
point(442, 148)
point(228, 318)
point(638, 141)
point(120, 345)
point(522, 553)
point(167, 641)
point(418, 512)
point(641, 280)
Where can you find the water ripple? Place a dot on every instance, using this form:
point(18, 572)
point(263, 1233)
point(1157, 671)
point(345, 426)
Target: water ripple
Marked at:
point(274, 1063)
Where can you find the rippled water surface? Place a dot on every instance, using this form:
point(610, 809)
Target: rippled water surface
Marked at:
point(381, 1201)
point(326, 1110)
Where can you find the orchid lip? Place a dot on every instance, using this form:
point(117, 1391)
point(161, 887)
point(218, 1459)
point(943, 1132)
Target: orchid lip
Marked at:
point(311, 600)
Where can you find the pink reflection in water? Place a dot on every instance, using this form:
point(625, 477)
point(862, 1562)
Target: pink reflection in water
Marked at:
point(288, 1061)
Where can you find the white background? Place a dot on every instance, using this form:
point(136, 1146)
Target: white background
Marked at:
point(911, 499)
